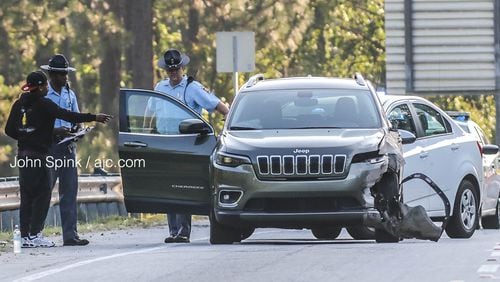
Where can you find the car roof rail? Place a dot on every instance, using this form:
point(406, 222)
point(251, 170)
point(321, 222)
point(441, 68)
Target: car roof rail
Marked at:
point(359, 79)
point(254, 80)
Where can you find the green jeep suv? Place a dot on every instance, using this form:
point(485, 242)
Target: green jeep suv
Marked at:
point(303, 152)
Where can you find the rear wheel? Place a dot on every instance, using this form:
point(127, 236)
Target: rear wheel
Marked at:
point(465, 217)
point(492, 221)
point(222, 234)
point(326, 233)
point(361, 232)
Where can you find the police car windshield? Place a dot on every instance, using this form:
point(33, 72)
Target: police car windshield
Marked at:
point(304, 109)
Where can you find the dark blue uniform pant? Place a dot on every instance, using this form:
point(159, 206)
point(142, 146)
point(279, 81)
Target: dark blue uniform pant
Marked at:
point(179, 224)
point(68, 188)
point(34, 183)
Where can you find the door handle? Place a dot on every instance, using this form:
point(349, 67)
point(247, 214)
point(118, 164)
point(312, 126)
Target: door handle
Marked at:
point(135, 144)
point(424, 155)
point(454, 147)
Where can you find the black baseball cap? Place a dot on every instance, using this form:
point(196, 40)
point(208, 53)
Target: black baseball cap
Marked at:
point(33, 80)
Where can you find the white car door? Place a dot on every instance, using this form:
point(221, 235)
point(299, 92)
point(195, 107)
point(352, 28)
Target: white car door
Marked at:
point(415, 192)
point(439, 154)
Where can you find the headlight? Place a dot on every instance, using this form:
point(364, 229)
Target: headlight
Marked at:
point(231, 160)
point(376, 160)
point(369, 157)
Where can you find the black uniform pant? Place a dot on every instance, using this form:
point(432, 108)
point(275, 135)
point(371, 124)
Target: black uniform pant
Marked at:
point(34, 183)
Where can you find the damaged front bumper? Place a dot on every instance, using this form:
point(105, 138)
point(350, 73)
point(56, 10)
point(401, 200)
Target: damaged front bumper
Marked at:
point(405, 222)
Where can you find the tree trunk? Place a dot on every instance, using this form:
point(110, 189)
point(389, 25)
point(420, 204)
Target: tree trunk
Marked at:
point(139, 21)
point(110, 67)
point(190, 37)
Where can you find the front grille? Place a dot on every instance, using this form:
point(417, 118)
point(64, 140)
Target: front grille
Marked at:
point(310, 165)
point(314, 204)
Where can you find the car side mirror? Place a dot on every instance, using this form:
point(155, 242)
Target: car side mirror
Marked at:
point(490, 149)
point(197, 126)
point(394, 125)
point(406, 136)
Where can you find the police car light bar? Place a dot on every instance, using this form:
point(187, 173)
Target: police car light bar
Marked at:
point(461, 116)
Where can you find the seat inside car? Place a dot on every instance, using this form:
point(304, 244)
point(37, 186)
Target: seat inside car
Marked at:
point(271, 115)
point(346, 112)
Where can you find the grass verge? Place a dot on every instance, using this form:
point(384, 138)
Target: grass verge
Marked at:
point(102, 224)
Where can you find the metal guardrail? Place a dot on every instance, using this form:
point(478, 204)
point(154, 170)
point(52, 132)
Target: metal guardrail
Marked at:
point(91, 189)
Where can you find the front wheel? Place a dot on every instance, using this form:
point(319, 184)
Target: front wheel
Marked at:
point(382, 236)
point(222, 234)
point(492, 221)
point(361, 232)
point(246, 232)
point(465, 217)
point(326, 233)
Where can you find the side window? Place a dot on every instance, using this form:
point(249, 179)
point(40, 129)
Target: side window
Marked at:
point(148, 112)
point(401, 116)
point(432, 122)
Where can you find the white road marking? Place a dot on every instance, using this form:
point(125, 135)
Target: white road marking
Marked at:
point(491, 259)
point(40, 275)
point(49, 272)
point(495, 254)
point(488, 268)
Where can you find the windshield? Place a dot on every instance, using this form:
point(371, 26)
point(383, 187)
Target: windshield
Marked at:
point(304, 108)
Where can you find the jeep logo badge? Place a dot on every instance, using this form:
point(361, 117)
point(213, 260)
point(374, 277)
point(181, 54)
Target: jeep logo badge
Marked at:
point(301, 151)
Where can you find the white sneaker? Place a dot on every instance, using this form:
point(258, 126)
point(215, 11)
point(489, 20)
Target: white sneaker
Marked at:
point(27, 243)
point(40, 241)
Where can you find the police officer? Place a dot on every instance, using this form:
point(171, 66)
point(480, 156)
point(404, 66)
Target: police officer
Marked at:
point(195, 96)
point(30, 122)
point(61, 94)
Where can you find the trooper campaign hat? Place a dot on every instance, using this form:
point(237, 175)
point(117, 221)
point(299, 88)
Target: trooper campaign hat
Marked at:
point(58, 63)
point(173, 59)
point(33, 80)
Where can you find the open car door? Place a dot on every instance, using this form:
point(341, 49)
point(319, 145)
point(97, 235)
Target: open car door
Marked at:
point(174, 171)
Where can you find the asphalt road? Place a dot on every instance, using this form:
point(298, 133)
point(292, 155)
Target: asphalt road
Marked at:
point(268, 255)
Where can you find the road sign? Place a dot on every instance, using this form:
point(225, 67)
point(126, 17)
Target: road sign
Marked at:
point(235, 51)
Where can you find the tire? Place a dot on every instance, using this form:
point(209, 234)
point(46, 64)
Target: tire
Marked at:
point(222, 234)
point(492, 221)
point(361, 232)
point(381, 236)
point(246, 232)
point(326, 233)
point(465, 216)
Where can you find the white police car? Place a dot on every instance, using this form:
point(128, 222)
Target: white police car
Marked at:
point(447, 155)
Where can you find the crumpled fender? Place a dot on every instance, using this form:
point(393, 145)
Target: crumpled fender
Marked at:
point(408, 222)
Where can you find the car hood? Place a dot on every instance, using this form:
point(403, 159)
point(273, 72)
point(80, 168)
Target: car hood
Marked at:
point(310, 141)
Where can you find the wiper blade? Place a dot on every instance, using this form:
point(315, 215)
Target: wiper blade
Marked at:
point(242, 128)
point(317, 127)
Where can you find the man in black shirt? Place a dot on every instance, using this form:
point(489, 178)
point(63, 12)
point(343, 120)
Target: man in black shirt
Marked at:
point(31, 122)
